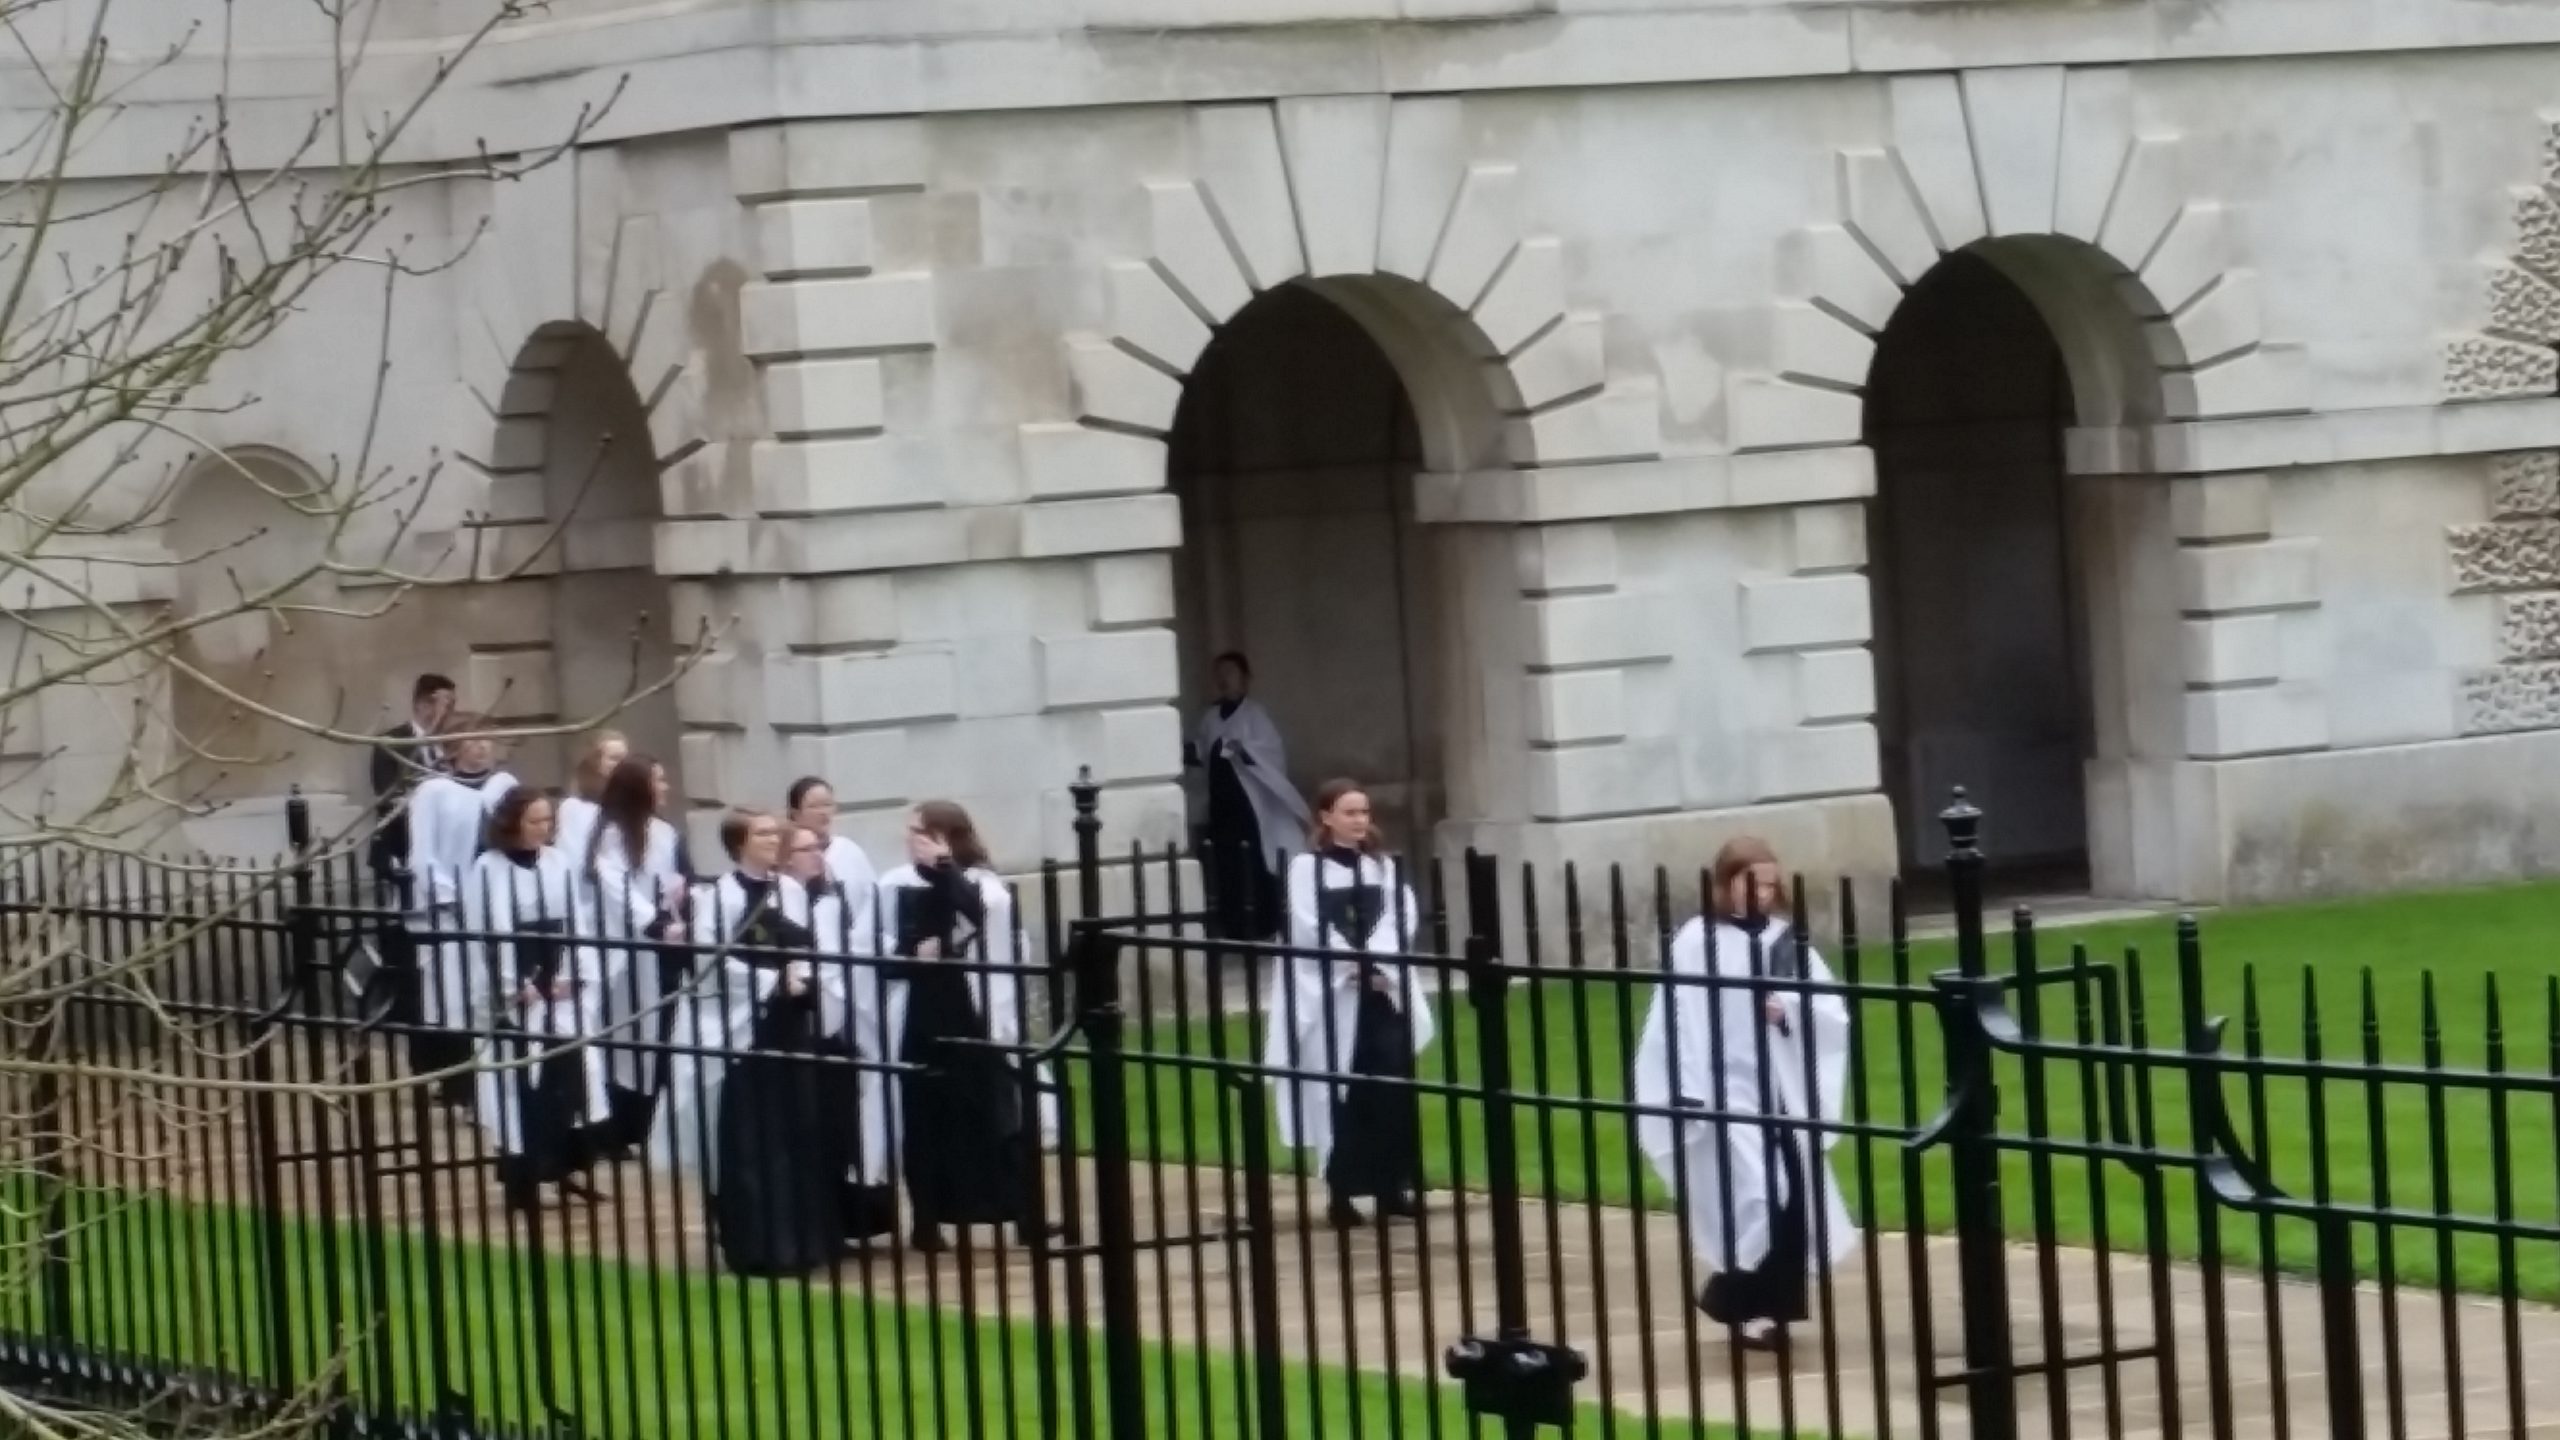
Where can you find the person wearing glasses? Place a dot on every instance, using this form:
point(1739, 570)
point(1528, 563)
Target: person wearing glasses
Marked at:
point(853, 1029)
point(747, 1104)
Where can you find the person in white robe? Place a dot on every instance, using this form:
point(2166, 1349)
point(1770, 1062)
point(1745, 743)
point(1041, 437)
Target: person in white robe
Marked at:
point(753, 1119)
point(855, 1027)
point(1350, 1010)
point(1256, 818)
point(540, 1095)
point(448, 824)
point(1761, 1205)
point(632, 892)
point(579, 808)
point(953, 972)
point(813, 806)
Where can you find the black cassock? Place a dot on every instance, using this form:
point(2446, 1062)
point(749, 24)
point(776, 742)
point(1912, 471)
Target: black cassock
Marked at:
point(555, 1142)
point(1244, 894)
point(960, 1113)
point(1377, 1129)
point(781, 1160)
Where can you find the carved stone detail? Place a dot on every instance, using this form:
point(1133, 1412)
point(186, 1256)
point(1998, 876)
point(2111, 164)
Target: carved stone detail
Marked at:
point(2511, 697)
point(2506, 555)
point(2523, 305)
point(2525, 485)
point(2479, 368)
point(2529, 627)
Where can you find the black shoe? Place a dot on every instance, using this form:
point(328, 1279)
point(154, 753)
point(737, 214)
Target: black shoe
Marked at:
point(1027, 1234)
point(1343, 1215)
point(928, 1240)
point(1403, 1206)
point(575, 1187)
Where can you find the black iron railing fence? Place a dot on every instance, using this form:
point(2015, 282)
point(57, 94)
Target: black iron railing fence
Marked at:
point(2081, 1201)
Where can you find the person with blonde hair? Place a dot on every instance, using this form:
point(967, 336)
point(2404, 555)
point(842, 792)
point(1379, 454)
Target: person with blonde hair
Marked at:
point(578, 809)
point(1347, 1004)
point(1762, 1209)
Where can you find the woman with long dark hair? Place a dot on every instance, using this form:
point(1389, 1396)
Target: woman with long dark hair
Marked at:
point(959, 1116)
point(632, 891)
point(541, 1101)
point(1752, 1192)
point(1345, 1006)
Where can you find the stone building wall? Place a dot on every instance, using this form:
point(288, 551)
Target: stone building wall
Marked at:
point(907, 340)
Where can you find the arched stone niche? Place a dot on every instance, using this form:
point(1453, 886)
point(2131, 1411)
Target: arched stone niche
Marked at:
point(1378, 206)
point(573, 503)
point(269, 640)
point(2050, 175)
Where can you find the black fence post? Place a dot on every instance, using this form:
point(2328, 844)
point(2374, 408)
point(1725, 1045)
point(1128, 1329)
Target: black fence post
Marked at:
point(1262, 1265)
point(1096, 953)
point(1991, 1386)
point(1512, 1378)
point(50, 1137)
point(1115, 1210)
point(1088, 830)
point(310, 981)
point(1088, 800)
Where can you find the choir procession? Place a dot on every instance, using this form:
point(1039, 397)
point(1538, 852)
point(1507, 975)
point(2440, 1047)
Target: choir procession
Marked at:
point(841, 1054)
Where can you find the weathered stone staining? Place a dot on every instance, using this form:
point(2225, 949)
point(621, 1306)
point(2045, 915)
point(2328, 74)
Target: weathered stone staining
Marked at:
point(877, 367)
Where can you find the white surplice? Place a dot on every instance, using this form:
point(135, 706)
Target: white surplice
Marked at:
point(448, 824)
point(859, 883)
point(1711, 1057)
point(997, 992)
point(499, 896)
point(572, 821)
point(1311, 1010)
point(620, 901)
point(716, 1010)
point(1279, 812)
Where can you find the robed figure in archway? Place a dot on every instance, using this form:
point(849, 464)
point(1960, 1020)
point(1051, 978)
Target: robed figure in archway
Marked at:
point(1255, 815)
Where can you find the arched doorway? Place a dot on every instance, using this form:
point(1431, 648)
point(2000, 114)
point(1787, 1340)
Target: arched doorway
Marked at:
point(249, 528)
point(1293, 453)
point(1981, 636)
point(612, 636)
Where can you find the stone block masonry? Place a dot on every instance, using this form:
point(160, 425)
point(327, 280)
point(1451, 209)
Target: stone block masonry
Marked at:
point(2515, 554)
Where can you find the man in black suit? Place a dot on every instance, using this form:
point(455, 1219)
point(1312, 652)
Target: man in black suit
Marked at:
point(397, 768)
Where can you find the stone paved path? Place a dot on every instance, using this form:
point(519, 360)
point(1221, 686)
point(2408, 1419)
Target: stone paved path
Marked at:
point(1612, 1282)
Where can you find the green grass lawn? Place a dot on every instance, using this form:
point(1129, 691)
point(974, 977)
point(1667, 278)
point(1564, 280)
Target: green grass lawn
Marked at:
point(165, 1286)
point(1571, 1039)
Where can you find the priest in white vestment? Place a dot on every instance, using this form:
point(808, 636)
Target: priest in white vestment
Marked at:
point(1255, 814)
point(1760, 1203)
